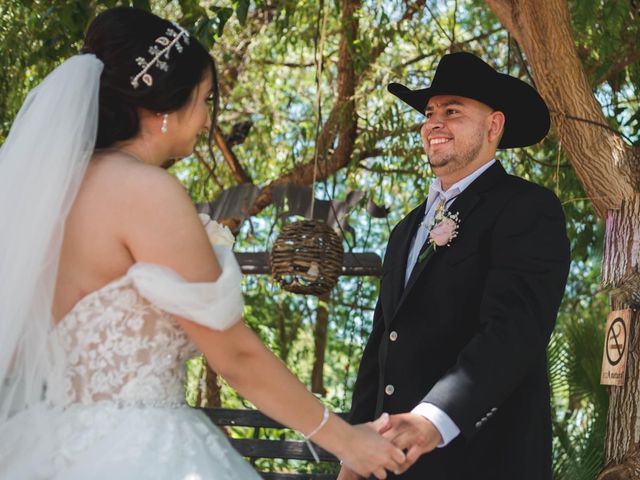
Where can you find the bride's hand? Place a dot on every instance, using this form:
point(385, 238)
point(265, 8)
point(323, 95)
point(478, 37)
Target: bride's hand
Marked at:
point(368, 453)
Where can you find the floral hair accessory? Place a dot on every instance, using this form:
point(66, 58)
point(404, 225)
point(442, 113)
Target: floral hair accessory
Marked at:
point(444, 230)
point(161, 48)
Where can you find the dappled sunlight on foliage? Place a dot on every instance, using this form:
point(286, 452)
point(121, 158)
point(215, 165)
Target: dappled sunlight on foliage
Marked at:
point(265, 52)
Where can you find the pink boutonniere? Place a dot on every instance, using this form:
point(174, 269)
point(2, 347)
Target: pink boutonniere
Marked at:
point(444, 230)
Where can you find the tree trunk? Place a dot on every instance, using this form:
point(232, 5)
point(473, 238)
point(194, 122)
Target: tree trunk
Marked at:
point(208, 390)
point(609, 172)
point(599, 156)
point(320, 341)
point(620, 264)
point(283, 338)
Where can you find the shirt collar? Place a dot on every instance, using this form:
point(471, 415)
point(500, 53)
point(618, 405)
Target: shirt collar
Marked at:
point(435, 189)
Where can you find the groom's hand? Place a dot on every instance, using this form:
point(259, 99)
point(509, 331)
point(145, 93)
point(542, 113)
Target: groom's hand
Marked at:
point(414, 434)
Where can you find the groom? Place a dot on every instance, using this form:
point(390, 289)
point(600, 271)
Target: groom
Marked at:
point(457, 354)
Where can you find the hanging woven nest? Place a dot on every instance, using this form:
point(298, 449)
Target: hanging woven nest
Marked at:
point(307, 257)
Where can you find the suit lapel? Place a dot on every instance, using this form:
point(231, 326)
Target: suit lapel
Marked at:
point(464, 205)
point(400, 250)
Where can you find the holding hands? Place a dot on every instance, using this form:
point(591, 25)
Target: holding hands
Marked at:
point(369, 453)
point(410, 432)
point(414, 434)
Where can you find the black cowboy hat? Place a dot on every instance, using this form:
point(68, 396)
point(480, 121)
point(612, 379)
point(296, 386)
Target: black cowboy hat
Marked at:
point(465, 75)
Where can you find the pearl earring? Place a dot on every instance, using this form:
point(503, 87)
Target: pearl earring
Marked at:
point(165, 123)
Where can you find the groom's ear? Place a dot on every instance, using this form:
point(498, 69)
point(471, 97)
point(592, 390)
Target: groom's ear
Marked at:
point(496, 121)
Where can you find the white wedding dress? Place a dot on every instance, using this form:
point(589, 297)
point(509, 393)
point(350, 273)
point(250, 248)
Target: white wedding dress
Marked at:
point(117, 405)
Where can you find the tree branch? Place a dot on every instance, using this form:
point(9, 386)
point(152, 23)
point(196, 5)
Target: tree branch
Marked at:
point(457, 46)
point(531, 158)
point(382, 44)
point(433, 53)
point(208, 168)
point(616, 68)
point(231, 68)
point(239, 173)
point(389, 171)
point(292, 64)
point(341, 123)
point(284, 64)
point(440, 27)
point(379, 152)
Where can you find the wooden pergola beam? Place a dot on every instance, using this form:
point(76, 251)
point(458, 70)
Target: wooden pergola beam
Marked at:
point(354, 265)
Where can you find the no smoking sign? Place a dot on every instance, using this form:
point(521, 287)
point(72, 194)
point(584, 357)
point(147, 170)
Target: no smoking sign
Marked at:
point(614, 358)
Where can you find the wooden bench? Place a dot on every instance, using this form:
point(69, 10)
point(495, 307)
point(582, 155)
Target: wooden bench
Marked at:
point(256, 447)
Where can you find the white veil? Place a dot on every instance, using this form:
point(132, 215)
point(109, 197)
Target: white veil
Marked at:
point(42, 163)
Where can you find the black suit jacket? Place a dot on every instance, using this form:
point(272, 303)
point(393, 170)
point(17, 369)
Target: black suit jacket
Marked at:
point(471, 330)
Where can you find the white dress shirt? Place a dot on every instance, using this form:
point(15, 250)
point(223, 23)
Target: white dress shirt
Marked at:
point(447, 427)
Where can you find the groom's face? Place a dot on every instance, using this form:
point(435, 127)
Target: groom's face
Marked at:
point(454, 134)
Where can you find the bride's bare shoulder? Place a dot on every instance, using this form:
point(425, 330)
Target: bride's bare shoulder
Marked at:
point(123, 179)
point(154, 217)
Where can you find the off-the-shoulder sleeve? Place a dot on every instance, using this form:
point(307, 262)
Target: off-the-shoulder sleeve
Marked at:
point(217, 305)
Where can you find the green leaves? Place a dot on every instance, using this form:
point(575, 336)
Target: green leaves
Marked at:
point(36, 36)
point(207, 29)
point(607, 36)
point(579, 402)
point(142, 4)
point(242, 9)
point(265, 55)
point(206, 23)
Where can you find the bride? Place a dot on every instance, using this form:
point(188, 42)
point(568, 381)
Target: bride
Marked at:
point(109, 281)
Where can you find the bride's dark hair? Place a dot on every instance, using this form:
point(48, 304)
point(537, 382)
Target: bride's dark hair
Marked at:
point(118, 37)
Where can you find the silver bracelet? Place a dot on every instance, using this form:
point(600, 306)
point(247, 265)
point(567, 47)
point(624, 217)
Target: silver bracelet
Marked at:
point(323, 422)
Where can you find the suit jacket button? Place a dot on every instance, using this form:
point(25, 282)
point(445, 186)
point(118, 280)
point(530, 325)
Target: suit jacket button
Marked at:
point(478, 424)
point(393, 336)
point(389, 389)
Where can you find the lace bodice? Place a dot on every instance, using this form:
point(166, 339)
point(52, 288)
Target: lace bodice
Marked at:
point(122, 343)
point(120, 347)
